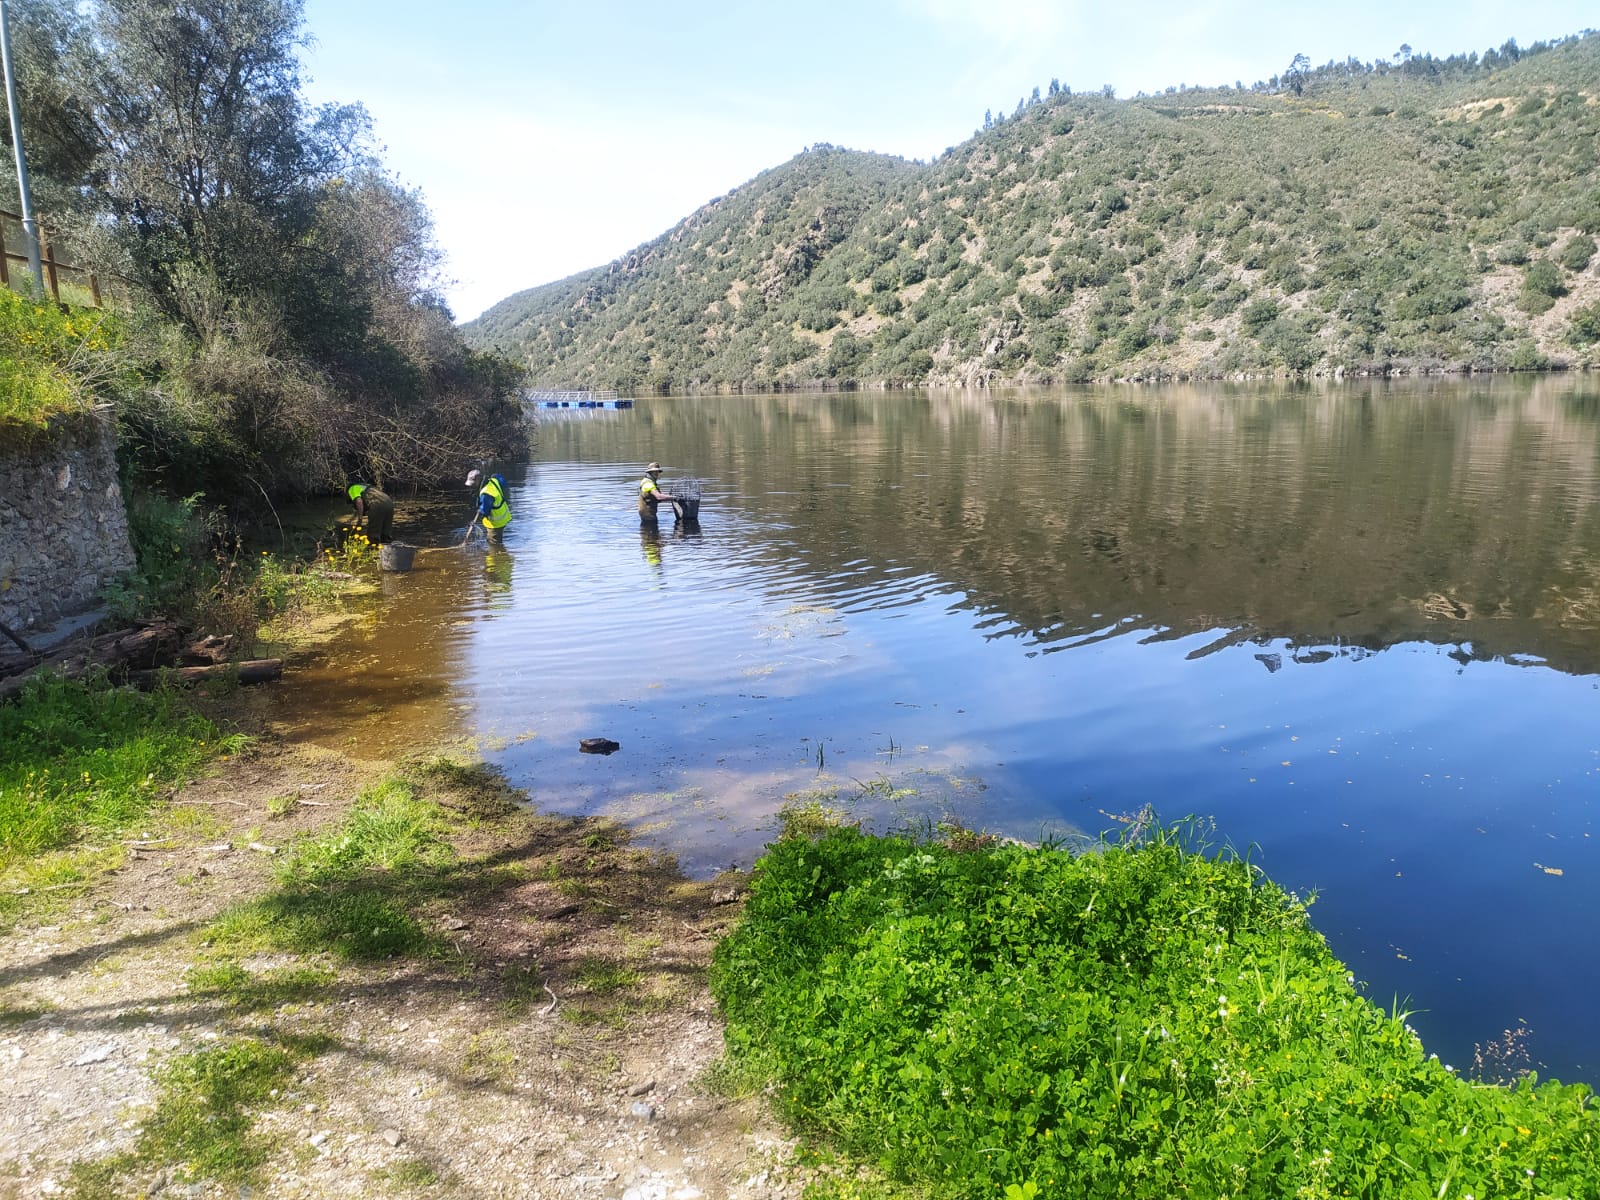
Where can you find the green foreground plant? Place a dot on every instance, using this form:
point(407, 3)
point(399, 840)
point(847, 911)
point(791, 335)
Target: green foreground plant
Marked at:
point(50, 360)
point(1142, 1020)
point(77, 757)
point(353, 892)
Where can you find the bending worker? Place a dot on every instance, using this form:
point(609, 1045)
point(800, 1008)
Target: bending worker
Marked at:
point(650, 494)
point(494, 513)
point(373, 505)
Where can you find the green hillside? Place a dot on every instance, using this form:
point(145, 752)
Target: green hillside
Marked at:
point(1432, 214)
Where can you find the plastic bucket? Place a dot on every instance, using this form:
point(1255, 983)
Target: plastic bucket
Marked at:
point(396, 556)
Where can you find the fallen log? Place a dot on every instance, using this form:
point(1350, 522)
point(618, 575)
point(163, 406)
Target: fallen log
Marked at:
point(208, 651)
point(252, 670)
point(10, 633)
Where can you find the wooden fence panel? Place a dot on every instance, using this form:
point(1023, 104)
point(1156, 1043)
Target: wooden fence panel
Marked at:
point(53, 267)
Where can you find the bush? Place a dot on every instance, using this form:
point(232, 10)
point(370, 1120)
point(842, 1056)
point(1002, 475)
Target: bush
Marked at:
point(1585, 327)
point(1575, 255)
point(1140, 1020)
point(1541, 284)
point(1512, 254)
point(1257, 315)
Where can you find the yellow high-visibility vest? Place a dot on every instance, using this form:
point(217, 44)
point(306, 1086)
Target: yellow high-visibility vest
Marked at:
point(500, 512)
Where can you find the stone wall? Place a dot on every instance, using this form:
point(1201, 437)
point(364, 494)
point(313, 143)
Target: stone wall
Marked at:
point(63, 527)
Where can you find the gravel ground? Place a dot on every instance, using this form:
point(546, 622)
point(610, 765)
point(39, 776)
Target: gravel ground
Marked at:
point(441, 1079)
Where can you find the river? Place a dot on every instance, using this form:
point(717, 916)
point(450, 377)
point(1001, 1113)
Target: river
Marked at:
point(1355, 627)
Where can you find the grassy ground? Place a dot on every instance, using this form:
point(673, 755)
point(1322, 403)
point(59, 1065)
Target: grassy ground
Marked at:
point(295, 971)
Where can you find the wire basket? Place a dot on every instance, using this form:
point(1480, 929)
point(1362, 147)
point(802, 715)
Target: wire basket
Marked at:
point(685, 497)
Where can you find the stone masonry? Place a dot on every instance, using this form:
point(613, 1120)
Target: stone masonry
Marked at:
point(63, 527)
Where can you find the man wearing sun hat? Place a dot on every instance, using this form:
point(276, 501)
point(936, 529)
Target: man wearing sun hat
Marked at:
point(650, 494)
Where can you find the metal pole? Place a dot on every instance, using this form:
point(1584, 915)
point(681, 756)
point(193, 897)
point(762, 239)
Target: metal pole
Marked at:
point(30, 228)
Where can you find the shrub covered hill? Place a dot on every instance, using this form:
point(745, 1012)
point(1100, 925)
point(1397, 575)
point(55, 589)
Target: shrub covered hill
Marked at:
point(1431, 214)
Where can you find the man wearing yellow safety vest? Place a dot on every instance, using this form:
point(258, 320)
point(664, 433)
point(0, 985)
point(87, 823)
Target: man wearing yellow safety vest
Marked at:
point(373, 504)
point(494, 513)
point(650, 494)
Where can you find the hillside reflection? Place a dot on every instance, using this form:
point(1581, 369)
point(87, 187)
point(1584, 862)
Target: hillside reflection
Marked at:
point(1345, 518)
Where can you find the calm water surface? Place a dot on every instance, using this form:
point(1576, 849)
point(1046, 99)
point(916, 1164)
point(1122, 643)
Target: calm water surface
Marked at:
point(1358, 627)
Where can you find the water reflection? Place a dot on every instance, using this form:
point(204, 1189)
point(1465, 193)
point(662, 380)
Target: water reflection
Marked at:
point(497, 566)
point(1355, 625)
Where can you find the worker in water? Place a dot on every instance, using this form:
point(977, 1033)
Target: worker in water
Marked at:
point(494, 513)
point(650, 493)
point(373, 505)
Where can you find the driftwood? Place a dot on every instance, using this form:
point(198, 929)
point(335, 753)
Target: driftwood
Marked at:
point(139, 652)
point(253, 670)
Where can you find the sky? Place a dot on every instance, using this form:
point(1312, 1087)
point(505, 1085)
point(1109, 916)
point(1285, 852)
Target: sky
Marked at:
point(550, 137)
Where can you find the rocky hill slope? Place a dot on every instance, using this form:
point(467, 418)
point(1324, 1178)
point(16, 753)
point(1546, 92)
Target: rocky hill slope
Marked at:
point(1434, 214)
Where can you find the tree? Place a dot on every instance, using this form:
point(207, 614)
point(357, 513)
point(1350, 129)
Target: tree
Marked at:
point(208, 159)
point(1295, 76)
point(56, 129)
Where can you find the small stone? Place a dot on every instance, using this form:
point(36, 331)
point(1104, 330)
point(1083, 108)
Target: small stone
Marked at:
point(392, 1136)
point(319, 1139)
point(98, 1054)
point(640, 1089)
point(453, 923)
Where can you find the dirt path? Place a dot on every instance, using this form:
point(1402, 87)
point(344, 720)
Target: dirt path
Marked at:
point(563, 1044)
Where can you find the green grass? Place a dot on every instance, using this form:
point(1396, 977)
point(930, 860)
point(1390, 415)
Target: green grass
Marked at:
point(352, 892)
point(237, 987)
point(410, 1174)
point(11, 1014)
point(604, 977)
point(78, 759)
point(1141, 1020)
point(205, 1114)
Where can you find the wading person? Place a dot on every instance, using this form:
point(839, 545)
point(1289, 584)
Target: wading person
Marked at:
point(494, 513)
point(650, 494)
point(373, 505)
